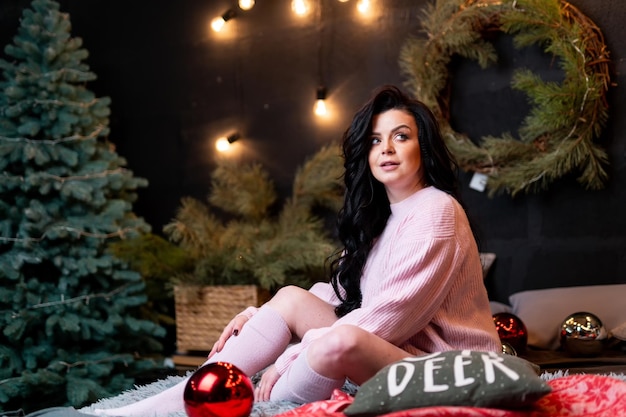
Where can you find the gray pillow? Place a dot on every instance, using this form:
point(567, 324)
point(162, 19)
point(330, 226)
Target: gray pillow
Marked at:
point(454, 378)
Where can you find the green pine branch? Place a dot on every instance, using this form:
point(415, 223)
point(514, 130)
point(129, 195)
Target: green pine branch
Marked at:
point(240, 237)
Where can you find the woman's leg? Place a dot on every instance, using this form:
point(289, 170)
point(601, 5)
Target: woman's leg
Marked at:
point(302, 310)
point(291, 312)
point(345, 352)
point(351, 352)
point(301, 384)
point(161, 404)
point(262, 339)
point(288, 315)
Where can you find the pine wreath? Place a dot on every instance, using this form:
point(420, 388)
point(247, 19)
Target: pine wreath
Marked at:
point(557, 136)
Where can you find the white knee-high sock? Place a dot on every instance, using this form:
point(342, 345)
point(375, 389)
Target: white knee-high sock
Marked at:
point(301, 384)
point(166, 402)
point(262, 339)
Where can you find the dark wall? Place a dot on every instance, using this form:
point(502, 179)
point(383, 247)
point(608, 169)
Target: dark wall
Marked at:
point(176, 86)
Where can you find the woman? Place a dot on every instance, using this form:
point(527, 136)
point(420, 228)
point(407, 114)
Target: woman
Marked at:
point(408, 280)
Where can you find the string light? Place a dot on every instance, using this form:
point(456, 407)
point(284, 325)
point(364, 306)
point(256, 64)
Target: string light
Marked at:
point(218, 23)
point(246, 4)
point(223, 144)
point(320, 103)
point(300, 7)
point(363, 6)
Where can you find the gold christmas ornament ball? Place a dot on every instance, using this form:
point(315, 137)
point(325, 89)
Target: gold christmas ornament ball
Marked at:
point(583, 334)
point(507, 349)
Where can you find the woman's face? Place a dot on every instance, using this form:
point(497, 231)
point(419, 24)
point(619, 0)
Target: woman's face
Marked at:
point(395, 158)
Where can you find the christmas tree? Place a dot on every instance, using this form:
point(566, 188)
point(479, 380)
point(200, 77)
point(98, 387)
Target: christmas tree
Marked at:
point(67, 306)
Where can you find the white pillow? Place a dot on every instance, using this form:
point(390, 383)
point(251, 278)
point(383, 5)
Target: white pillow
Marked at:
point(497, 307)
point(486, 260)
point(619, 332)
point(543, 311)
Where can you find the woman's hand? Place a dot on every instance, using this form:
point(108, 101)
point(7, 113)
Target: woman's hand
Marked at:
point(265, 385)
point(232, 329)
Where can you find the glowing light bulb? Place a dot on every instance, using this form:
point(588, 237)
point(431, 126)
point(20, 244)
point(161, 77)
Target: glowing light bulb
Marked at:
point(222, 144)
point(363, 6)
point(320, 102)
point(218, 23)
point(300, 7)
point(246, 4)
point(320, 107)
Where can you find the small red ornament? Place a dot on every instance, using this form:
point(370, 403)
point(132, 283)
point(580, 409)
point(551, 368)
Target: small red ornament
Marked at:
point(218, 389)
point(511, 330)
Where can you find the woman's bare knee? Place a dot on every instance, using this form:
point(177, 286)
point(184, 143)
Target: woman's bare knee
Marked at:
point(337, 352)
point(289, 300)
point(302, 310)
point(349, 351)
point(286, 295)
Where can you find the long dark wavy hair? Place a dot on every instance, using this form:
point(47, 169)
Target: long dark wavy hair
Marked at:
point(366, 207)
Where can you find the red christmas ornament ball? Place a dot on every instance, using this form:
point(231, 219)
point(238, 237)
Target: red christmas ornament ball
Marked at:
point(511, 330)
point(218, 389)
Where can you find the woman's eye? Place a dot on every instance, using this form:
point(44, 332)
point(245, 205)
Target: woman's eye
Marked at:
point(375, 141)
point(401, 137)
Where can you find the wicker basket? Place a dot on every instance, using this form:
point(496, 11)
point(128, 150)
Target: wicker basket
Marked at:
point(202, 312)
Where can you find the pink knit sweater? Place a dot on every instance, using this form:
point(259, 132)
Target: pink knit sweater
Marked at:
point(422, 285)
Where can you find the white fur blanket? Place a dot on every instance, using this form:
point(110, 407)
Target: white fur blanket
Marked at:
point(261, 409)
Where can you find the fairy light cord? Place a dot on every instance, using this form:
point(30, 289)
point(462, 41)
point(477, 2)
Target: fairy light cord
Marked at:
point(26, 103)
point(66, 301)
point(50, 177)
point(73, 138)
point(68, 366)
point(76, 231)
point(60, 74)
point(113, 358)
